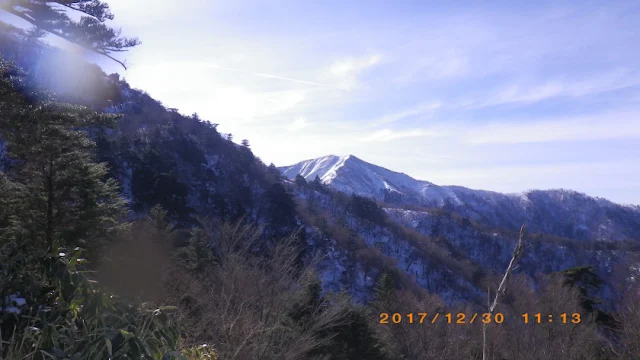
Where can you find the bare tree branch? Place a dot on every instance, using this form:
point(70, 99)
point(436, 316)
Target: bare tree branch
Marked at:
point(517, 253)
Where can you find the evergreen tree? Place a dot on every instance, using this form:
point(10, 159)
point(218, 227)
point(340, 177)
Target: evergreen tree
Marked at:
point(90, 31)
point(367, 209)
point(159, 218)
point(384, 293)
point(245, 143)
point(317, 184)
point(63, 197)
point(587, 281)
point(53, 197)
point(198, 254)
point(350, 337)
point(281, 209)
point(300, 181)
point(354, 338)
point(274, 172)
point(309, 302)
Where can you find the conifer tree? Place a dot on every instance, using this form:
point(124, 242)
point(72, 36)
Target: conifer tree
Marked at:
point(63, 198)
point(354, 338)
point(54, 195)
point(274, 172)
point(317, 184)
point(309, 301)
point(384, 293)
point(300, 181)
point(198, 254)
point(588, 282)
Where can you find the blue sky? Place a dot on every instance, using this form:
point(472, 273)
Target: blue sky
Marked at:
point(506, 96)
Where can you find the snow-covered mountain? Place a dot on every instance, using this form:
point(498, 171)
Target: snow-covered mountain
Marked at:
point(353, 175)
point(560, 212)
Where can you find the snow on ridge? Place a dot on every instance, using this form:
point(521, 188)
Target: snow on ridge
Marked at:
point(353, 175)
point(332, 172)
point(310, 168)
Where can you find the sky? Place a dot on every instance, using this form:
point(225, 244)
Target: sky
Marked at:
point(502, 95)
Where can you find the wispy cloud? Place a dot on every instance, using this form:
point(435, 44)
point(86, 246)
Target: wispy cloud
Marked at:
point(287, 79)
point(270, 76)
point(417, 110)
point(345, 71)
point(389, 135)
point(616, 125)
point(557, 88)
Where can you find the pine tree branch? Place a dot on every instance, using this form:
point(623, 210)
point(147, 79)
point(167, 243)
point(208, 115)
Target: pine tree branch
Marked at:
point(105, 16)
point(51, 30)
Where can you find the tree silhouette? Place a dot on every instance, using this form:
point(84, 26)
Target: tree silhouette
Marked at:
point(90, 31)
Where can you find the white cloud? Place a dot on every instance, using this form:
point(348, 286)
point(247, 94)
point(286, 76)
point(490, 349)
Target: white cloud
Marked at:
point(388, 134)
point(344, 72)
point(298, 124)
point(287, 79)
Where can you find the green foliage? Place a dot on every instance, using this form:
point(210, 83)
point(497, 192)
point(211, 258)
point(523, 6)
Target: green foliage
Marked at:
point(202, 352)
point(384, 293)
point(587, 281)
point(156, 179)
point(158, 217)
point(198, 254)
point(62, 198)
point(54, 198)
point(66, 316)
point(583, 277)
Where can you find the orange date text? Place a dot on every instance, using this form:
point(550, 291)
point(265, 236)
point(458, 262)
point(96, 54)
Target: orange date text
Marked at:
point(433, 318)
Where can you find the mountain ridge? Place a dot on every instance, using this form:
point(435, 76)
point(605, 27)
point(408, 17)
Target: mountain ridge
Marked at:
point(560, 212)
point(288, 169)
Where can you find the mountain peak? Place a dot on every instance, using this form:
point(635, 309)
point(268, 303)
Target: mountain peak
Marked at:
point(351, 174)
